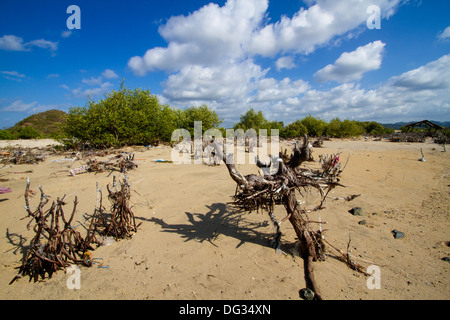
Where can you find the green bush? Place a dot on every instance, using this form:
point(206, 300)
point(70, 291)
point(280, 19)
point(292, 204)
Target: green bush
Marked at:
point(294, 130)
point(27, 132)
point(6, 135)
point(375, 129)
point(131, 117)
point(123, 117)
point(316, 127)
point(252, 120)
point(187, 117)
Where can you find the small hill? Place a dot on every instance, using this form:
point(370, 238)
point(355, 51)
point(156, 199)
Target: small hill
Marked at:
point(47, 123)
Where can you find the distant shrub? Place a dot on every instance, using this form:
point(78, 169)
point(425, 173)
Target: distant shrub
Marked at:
point(27, 132)
point(252, 120)
point(6, 135)
point(316, 127)
point(294, 130)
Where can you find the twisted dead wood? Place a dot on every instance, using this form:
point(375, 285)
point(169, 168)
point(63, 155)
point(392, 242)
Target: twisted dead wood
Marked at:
point(256, 192)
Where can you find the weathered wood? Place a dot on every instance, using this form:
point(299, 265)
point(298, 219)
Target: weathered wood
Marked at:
point(264, 192)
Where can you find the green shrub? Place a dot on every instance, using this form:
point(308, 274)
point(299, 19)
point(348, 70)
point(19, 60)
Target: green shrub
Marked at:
point(6, 135)
point(208, 117)
point(252, 120)
point(27, 132)
point(123, 117)
point(294, 130)
point(131, 117)
point(316, 127)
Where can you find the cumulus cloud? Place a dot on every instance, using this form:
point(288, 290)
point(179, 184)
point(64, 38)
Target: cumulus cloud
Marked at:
point(109, 74)
point(269, 89)
point(434, 75)
point(228, 81)
point(445, 35)
point(211, 57)
point(205, 37)
point(315, 26)
point(351, 65)
point(238, 30)
point(11, 43)
point(285, 63)
point(15, 43)
point(415, 94)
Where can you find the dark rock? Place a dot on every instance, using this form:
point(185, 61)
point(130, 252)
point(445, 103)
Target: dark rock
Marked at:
point(357, 211)
point(362, 222)
point(306, 294)
point(398, 234)
point(446, 259)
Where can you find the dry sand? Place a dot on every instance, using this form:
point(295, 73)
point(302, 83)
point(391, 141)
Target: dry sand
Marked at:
point(192, 245)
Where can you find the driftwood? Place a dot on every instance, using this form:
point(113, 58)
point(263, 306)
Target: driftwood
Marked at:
point(120, 222)
point(20, 156)
point(256, 192)
point(121, 162)
point(56, 243)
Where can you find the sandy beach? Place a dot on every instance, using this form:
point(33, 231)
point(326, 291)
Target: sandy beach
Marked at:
point(192, 244)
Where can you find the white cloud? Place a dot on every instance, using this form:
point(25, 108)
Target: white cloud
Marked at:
point(15, 43)
point(13, 75)
point(92, 81)
point(53, 75)
point(270, 89)
point(238, 30)
point(231, 82)
point(109, 74)
point(445, 34)
point(210, 58)
point(285, 63)
point(351, 65)
point(421, 93)
point(206, 37)
point(42, 43)
point(91, 93)
point(11, 43)
point(30, 108)
point(315, 26)
point(19, 106)
point(66, 33)
point(434, 75)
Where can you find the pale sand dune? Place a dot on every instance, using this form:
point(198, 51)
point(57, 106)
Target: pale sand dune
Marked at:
point(191, 244)
point(28, 143)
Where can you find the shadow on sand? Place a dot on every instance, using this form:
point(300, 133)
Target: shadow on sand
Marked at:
point(219, 220)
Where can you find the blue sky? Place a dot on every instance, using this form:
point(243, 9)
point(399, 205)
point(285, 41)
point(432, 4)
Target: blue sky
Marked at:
point(288, 58)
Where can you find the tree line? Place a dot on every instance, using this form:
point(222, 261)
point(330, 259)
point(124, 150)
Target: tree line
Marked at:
point(136, 117)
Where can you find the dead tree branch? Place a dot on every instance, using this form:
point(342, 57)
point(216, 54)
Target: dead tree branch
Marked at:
point(256, 192)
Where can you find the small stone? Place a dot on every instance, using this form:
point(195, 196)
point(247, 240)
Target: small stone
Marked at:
point(398, 234)
point(362, 222)
point(357, 211)
point(306, 294)
point(446, 259)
